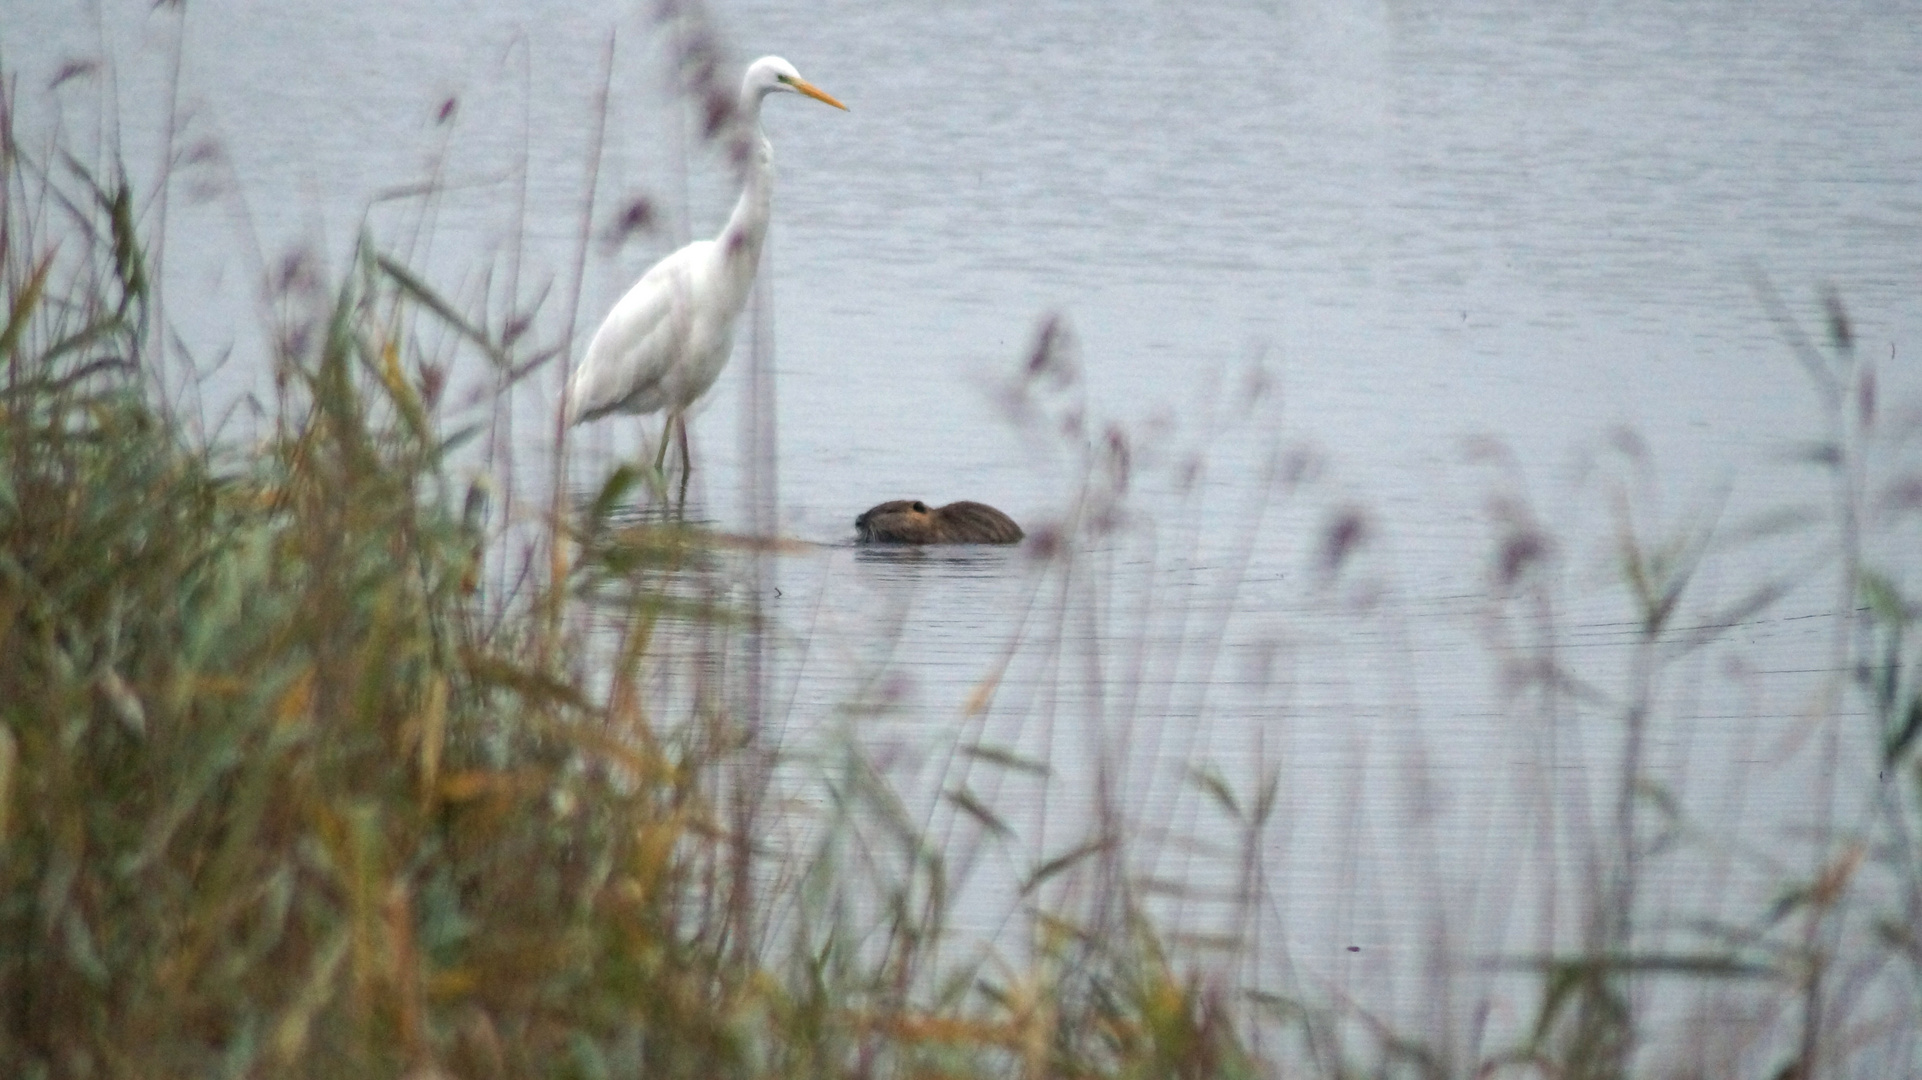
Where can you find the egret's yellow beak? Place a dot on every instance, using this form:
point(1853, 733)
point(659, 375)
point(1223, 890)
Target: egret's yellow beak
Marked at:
point(816, 93)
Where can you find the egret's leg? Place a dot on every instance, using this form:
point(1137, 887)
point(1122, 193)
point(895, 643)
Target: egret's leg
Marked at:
point(660, 453)
point(687, 463)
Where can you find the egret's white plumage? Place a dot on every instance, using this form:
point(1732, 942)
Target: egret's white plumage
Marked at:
point(666, 341)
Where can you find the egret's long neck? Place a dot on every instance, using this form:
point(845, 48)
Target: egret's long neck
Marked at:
point(747, 225)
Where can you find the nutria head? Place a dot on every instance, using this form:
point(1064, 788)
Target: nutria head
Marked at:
point(911, 521)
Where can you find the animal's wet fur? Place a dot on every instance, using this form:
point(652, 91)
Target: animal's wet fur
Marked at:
point(911, 521)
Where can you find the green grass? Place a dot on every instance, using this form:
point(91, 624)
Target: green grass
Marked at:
point(280, 797)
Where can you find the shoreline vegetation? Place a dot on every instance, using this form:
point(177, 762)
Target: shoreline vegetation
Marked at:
point(301, 774)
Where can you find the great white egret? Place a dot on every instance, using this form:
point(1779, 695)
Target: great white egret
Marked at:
point(666, 341)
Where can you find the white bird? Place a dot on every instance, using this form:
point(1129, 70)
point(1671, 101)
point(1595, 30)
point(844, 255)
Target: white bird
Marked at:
point(667, 340)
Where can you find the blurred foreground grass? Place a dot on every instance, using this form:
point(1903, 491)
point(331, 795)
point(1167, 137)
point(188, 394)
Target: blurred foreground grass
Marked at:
point(274, 801)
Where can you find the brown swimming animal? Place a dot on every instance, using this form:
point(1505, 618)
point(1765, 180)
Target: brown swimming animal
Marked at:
point(911, 521)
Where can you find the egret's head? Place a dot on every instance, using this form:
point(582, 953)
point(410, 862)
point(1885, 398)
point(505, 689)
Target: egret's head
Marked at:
point(773, 75)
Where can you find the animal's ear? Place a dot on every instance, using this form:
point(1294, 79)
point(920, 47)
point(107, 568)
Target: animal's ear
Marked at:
point(920, 507)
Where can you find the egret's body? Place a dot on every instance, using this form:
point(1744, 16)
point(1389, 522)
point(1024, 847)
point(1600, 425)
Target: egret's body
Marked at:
point(666, 341)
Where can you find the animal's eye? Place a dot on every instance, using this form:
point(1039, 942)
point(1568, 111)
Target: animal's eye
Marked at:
point(920, 507)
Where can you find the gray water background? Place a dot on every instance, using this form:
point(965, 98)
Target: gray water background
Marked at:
point(1433, 228)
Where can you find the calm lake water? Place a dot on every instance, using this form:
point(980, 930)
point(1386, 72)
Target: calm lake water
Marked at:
point(1432, 228)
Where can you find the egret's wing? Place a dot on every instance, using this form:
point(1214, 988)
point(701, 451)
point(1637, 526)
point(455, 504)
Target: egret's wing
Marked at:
point(637, 345)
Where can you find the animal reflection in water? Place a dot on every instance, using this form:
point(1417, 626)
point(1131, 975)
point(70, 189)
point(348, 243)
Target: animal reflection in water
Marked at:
point(911, 521)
